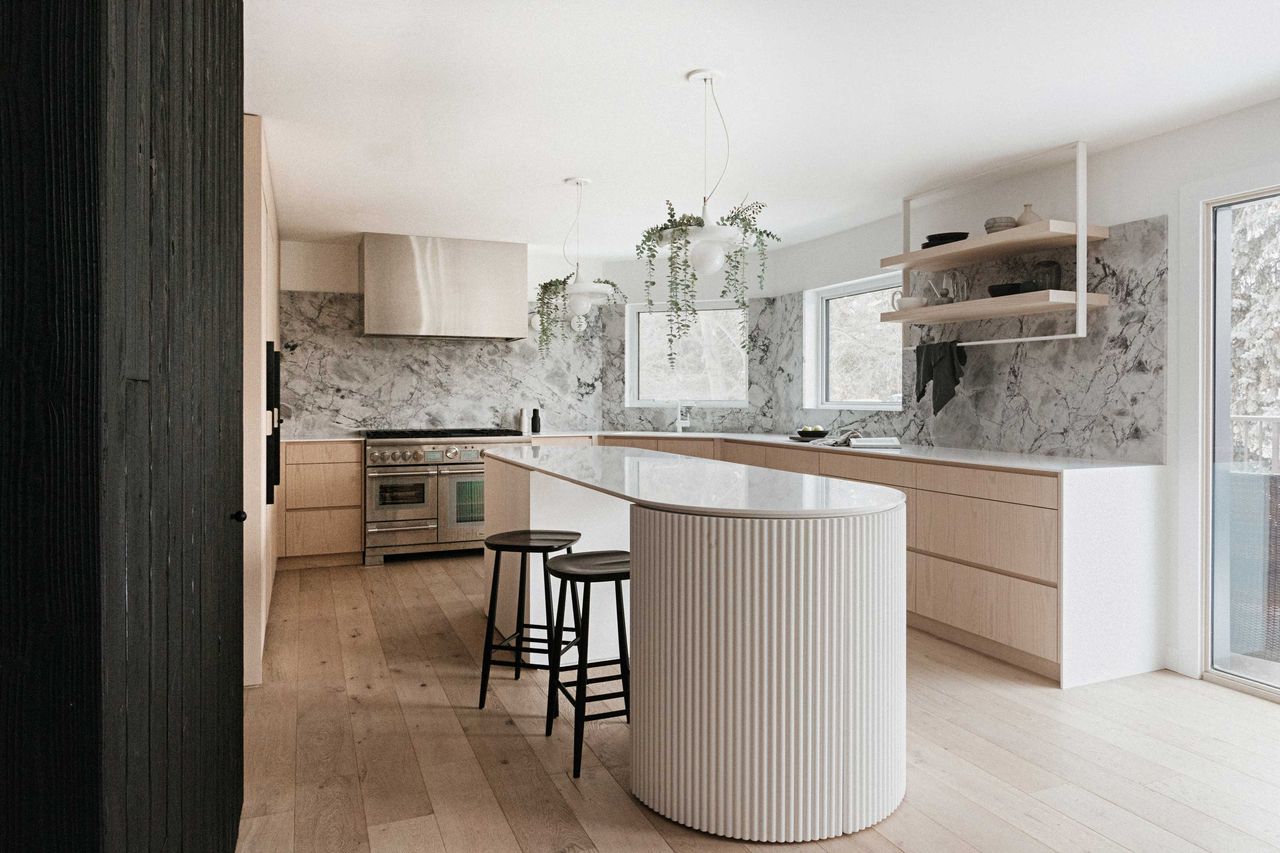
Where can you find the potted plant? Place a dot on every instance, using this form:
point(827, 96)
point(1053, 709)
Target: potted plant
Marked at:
point(556, 305)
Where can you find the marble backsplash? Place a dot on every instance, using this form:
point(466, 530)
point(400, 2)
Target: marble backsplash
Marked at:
point(1100, 397)
point(334, 379)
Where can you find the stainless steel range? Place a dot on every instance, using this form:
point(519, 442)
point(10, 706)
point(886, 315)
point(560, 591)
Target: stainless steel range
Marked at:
point(424, 489)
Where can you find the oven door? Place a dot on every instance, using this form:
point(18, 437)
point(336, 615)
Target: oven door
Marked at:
point(461, 503)
point(400, 493)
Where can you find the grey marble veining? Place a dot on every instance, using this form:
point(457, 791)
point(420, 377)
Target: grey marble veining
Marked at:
point(335, 380)
point(1102, 397)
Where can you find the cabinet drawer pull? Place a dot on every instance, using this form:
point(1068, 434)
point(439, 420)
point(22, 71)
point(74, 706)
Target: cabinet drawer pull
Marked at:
point(398, 529)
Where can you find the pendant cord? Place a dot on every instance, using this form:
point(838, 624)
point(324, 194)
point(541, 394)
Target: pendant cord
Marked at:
point(709, 85)
point(575, 231)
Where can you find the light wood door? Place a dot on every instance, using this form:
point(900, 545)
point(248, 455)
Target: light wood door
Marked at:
point(562, 441)
point(1009, 486)
point(1007, 610)
point(324, 531)
point(327, 485)
point(1022, 540)
point(850, 466)
point(798, 460)
point(627, 441)
point(704, 448)
point(309, 452)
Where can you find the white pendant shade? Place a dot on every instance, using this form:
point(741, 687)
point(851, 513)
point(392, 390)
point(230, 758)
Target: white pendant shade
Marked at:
point(707, 257)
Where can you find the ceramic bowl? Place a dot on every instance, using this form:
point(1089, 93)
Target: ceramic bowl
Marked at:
point(1000, 223)
point(812, 433)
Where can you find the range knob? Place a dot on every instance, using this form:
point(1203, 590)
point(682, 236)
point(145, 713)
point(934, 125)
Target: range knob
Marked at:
point(417, 456)
point(451, 453)
point(395, 456)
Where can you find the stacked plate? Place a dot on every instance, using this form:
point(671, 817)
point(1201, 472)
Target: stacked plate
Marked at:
point(1000, 223)
point(941, 239)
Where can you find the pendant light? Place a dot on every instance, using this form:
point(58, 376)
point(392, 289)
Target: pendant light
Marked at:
point(710, 244)
point(582, 295)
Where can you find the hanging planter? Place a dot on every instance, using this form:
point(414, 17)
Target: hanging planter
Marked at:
point(561, 306)
point(695, 248)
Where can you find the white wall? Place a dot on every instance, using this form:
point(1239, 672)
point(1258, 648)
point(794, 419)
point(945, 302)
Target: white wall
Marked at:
point(325, 267)
point(1159, 176)
point(261, 324)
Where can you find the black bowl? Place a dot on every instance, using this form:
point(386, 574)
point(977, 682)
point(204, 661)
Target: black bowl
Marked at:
point(947, 237)
point(812, 433)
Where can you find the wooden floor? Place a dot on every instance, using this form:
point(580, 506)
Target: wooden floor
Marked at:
point(365, 736)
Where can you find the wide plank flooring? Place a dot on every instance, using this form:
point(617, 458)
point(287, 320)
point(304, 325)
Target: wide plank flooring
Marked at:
point(365, 737)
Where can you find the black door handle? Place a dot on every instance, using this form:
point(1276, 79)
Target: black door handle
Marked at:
point(239, 515)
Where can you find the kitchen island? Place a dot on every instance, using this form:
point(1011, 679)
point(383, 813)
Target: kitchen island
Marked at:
point(768, 630)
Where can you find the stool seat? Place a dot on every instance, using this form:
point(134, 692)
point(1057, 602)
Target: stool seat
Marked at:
point(591, 566)
point(531, 541)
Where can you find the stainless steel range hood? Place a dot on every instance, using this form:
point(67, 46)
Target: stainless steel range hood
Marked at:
point(436, 286)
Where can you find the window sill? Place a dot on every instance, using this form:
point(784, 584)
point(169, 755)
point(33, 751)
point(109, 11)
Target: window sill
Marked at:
point(857, 407)
point(671, 404)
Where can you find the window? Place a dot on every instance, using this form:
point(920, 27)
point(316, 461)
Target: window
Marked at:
point(853, 360)
point(711, 362)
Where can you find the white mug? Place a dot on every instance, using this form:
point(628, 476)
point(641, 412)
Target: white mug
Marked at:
point(905, 303)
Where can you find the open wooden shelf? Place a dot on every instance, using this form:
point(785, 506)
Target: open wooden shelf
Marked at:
point(1046, 234)
point(1017, 305)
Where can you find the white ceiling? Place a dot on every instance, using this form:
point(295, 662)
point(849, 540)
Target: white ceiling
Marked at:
point(462, 118)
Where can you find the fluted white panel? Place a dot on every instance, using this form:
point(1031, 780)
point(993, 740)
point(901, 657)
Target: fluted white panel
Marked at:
point(769, 671)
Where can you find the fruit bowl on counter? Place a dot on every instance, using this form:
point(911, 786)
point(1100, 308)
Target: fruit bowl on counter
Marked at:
point(809, 433)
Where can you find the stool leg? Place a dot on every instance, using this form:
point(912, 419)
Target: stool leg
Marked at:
point(580, 695)
point(577, 609)
point(488, 632)
point(524, 563)
point(624, 661)
point(546, 599)
point(553, 664)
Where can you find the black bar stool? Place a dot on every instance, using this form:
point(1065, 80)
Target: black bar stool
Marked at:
point(524, 543)
point(587, 568)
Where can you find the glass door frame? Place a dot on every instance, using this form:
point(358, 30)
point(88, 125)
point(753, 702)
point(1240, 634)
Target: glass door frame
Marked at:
point(1208, 343)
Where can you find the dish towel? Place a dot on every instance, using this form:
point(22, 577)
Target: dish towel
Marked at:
point(943, 365)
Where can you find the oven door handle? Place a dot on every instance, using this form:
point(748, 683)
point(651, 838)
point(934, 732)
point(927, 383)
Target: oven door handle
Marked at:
point(400, 474)
point(473, 469)
point(398, 529)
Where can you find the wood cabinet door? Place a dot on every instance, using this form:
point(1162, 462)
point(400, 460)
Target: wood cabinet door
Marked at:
point(1019, 539)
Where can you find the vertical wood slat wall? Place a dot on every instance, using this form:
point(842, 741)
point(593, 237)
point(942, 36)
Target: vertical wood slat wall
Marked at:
point(121, 318)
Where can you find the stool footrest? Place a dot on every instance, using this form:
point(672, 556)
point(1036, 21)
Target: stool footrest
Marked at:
point(605, 715)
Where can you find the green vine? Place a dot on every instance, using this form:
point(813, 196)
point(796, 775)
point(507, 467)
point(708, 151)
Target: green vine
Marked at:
point(682, 279)
point(743, 217)
point(552, 308)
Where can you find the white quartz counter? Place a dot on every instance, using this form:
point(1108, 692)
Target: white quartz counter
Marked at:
point(686, 484)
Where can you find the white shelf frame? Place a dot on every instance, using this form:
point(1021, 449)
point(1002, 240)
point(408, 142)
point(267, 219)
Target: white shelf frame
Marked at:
point(1082, 240)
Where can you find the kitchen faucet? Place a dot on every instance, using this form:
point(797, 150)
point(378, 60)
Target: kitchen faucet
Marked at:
point(682, 416)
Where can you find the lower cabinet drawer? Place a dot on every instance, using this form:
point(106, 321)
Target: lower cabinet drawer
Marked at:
point(701, 447)
point(1017, 613)
point(626, 441)
point(1022, 540)
point(323, 531)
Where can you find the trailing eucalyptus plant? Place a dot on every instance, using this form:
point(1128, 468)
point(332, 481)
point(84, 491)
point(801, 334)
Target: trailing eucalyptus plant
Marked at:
point(682, 279)
point(552, 308)
point(743, 217)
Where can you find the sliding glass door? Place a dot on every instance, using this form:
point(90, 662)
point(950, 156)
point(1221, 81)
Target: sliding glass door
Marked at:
point(1245, 586)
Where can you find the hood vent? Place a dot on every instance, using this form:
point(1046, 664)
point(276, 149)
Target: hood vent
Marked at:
point(440, 287)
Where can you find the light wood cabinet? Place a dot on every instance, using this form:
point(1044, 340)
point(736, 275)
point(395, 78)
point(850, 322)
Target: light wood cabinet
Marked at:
point(1010, 486)
point(1016, 613)
point(704, 448)
point(627, 441)
point(324, 485)
point(888, 472)
point(310, 532)
point(799, 460)
point(1021, 540)
point(322, 493)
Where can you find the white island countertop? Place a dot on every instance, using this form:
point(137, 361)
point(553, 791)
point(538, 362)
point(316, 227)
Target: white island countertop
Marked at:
point(686, 484)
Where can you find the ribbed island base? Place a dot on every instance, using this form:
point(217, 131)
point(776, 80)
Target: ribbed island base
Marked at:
point(768, 632)
point(768, 672)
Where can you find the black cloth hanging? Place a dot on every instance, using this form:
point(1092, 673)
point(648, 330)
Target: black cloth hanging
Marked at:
point(943, 365)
